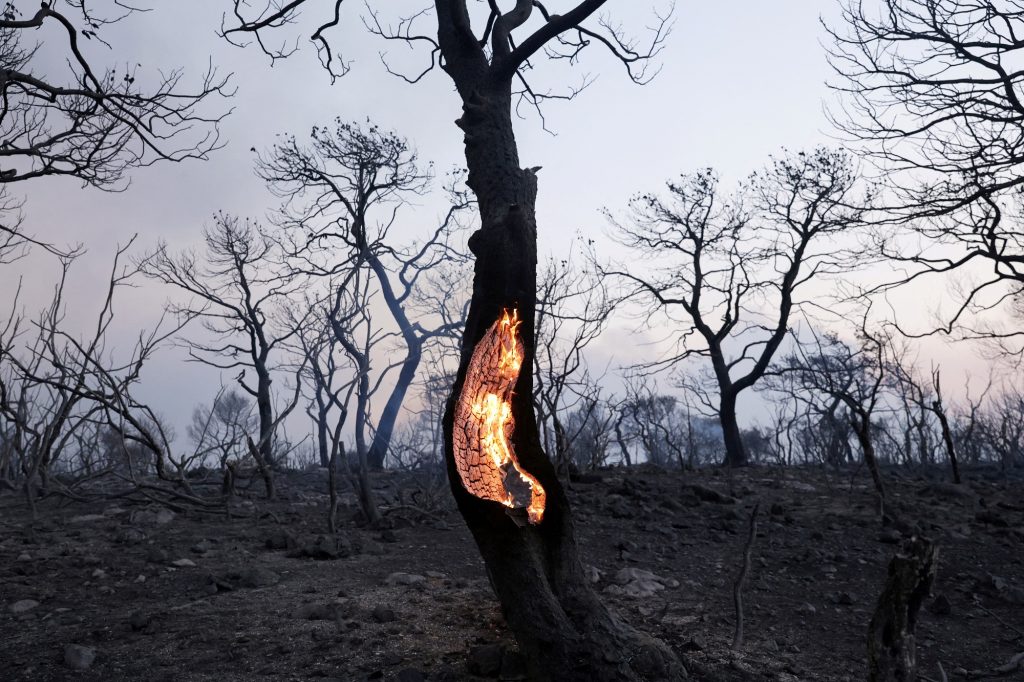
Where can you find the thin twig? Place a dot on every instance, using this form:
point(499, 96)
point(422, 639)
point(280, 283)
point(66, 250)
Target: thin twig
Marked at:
point(741, 579)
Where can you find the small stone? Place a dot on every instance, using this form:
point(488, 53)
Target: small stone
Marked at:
point(400, 578)
point(992, 518)
point(131, 536)
point(183, 563)
point(485, 660)
point(806, 607)
point(890, 536)
point(383, 614)
point(281, 540)
point(138, 620)
point(941, 606)
point(99, 574)
point(23, 606)
point(140, 579)
point(324, 547)
point(155, 555)
point(87, 518)
point(78, 657)
point(24, 556)
point(163, 517)
point(695, 643)
point(201, 547)
point(258, 577)
point(315, 612)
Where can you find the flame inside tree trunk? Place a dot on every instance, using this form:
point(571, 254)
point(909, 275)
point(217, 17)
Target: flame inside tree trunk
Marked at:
point(563, 629)
point(484, 425)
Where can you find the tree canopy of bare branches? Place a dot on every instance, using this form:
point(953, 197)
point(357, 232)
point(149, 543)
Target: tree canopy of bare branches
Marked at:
point(731, 270)
point(345, 195)
point(89, 123)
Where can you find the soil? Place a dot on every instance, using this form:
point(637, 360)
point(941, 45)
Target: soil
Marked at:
point(118, 590)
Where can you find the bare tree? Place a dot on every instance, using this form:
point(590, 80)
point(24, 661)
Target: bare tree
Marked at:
point(346, 190)
point(219, 429)
point(939, 408)
point(562, 627)
point(731, 270)
point(57, 387)
point(86, 123)
point(573, 308)
point(237, 295)
point(827, 371)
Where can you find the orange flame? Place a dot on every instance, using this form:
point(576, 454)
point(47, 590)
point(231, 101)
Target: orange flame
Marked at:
point(484, 425)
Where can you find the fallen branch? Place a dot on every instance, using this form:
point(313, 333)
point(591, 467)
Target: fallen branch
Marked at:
point(741, 579)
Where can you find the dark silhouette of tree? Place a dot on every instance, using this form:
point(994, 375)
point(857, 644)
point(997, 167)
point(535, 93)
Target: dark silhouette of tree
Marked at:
point(731, 270)
point(573, 308)
point(218, 430)
point(238, 290)
point(828, 370)
point(344, 195)
point(57, 387)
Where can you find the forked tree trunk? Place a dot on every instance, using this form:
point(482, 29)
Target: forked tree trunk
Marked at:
point(563, 629)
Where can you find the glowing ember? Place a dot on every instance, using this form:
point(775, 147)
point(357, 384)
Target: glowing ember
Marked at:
point(484, 425)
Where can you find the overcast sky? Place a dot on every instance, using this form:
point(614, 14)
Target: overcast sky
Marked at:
point(739, 81)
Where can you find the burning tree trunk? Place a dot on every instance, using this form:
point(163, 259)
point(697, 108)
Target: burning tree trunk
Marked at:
point(492, 443)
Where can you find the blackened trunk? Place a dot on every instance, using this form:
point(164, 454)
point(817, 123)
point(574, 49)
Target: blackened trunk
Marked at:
point(891, 635)
point(366, 499)
point(563, 629)
point(386, 424)
point(322, 432)
point(265, 407)
point(862, 427)
point(947, 438)
point(735, 452)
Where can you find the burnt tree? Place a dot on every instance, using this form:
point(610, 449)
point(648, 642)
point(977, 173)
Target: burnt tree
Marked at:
point(892, 646)
point(236, 294)
point(562, 627)
point(731, 271)
point(829, 371)
point(344, 195)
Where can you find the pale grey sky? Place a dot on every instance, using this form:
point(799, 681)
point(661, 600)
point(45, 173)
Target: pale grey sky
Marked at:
point(739, 81)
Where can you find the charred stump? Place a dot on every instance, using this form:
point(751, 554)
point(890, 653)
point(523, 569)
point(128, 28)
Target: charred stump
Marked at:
point(891, 635)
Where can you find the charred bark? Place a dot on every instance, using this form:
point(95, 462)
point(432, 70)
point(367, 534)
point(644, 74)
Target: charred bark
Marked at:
point(862, 427)
point(947, 439)
point(735, 452)
point(386, 424)
point(891, 635)
point(563, 629)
